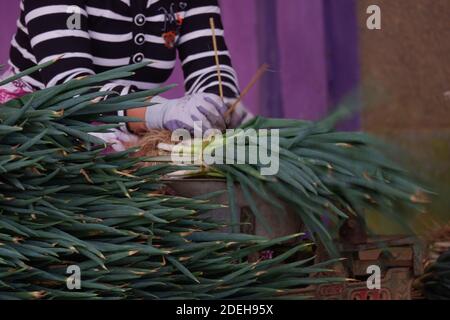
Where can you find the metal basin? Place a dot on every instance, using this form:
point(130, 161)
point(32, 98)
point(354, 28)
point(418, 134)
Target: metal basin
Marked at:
point(281, 223)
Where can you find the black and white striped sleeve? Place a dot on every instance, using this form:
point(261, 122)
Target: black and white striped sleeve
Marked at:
point(51, 37)
point(197, 53)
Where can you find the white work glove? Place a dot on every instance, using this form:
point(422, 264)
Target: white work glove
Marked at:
point(117, 140)
point(182, 113)
point(240, 115)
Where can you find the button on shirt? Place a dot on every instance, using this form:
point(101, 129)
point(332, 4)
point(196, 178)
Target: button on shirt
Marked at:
point(139, 19)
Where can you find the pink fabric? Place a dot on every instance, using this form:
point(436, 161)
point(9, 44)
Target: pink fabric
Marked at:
point(12, 90)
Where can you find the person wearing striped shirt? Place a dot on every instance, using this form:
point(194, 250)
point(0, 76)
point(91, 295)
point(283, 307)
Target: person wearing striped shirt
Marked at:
point(93, 36)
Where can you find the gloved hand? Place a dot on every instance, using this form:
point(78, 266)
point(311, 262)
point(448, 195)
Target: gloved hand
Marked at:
point(238, 117)
point(182, 113)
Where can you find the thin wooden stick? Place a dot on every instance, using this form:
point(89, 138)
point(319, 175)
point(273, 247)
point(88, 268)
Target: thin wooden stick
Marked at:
point(261, 71)
point(216, 54)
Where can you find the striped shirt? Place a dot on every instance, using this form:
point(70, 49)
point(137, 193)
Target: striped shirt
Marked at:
point(98, 35)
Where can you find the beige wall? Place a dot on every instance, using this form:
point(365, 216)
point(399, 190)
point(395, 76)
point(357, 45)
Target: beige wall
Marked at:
point(410, 58)
point(409, 61)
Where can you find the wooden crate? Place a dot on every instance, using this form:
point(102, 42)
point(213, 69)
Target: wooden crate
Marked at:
point(387, 252)
point(399, 258)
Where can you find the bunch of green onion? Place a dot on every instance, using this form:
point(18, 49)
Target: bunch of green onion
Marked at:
point(325, 175)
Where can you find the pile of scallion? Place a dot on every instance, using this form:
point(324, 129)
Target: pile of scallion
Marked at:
point(64, 202)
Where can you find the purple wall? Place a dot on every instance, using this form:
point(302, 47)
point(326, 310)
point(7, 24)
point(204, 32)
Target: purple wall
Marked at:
point(317, 52)
point(303, 61)
point(9, 10)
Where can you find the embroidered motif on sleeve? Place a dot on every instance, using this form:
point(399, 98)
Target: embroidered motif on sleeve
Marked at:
point(173, 21)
